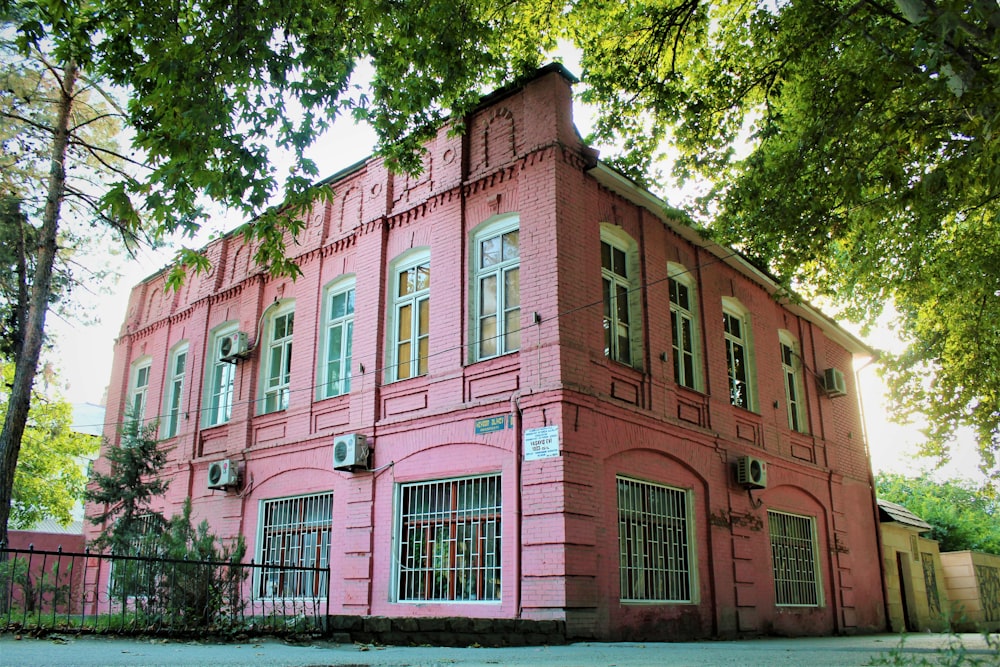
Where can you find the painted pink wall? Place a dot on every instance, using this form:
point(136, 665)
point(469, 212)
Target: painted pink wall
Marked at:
point(522, 156)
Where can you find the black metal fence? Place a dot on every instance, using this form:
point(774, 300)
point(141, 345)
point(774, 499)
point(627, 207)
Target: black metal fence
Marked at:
point(95, 592)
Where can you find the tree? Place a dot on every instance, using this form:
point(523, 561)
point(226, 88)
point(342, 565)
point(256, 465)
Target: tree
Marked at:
point(963, 516)
point(51, 475)
point(871, 171)
point(126, 492)
point(209, 86)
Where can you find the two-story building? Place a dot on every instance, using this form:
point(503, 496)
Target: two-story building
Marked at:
point(513, 387)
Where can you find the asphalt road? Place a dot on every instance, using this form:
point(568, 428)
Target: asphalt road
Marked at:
point(88, 651)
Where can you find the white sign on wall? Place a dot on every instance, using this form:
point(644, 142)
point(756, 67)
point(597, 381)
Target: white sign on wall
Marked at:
point(541, 443)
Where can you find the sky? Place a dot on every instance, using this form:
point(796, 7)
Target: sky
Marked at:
point(83, 352)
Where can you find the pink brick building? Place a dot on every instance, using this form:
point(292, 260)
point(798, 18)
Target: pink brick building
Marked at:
point(577, 409)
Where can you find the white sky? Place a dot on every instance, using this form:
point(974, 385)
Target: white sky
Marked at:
point(83, 353)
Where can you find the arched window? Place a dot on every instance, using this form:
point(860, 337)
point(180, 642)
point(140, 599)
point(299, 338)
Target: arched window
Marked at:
point(496, 288)
point(409, 326)
point(684, 326)
point(791, 371)
point(174, 391)
point(276, 357)
point(739, 356)
point(620, 291)
point(337, 338)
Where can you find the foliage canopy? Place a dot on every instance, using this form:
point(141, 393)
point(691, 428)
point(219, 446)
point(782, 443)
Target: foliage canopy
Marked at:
point(963, 516)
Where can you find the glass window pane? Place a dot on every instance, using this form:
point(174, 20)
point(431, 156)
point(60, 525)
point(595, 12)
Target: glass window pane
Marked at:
point(488, 295)
point(487, 336)
point(489, 252)
point(512, 288)
point(510, 245)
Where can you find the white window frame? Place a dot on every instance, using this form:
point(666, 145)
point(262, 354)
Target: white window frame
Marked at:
point(220, 379)
point(276, 358)
point(332, 383)
point(173, 392)
point(614, 283)
point(791, 371)
point(410, 305)
point(448, 552)
point(795, 559)
point(739, 352)
point(657, 562)
point(300, 541)
point(503, 306)
point(138, 388)
point(681, 314)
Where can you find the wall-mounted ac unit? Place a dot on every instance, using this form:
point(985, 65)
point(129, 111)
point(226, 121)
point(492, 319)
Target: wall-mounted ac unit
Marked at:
point(350, 451)
point(833, 383)
point(234, 346)
point(751, 473)
point(223, 474)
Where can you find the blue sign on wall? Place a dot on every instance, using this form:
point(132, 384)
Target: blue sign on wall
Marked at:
point(492, 424)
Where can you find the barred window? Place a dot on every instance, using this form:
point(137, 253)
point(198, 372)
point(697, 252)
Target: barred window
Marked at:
point(654, 542)
point(794, 556)
point(449, 540)
point(295, 533)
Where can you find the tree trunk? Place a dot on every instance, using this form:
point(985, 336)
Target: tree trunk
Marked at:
point(26, 364)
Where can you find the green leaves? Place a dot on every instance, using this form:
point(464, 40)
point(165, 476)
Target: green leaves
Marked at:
point(872, 174)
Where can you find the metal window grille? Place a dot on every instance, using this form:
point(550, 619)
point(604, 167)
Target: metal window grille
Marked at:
point(295, 532)
point(682, 330)
point(736, 361)
point(449, 540)
point(653, 542)
point(137, 578)
point(793, 552)
point(616, 294)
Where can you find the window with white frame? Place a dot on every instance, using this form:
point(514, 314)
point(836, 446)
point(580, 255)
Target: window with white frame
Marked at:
point(294, 546)
point(791, 370)
point(448, 540)
point(620, 292)
point(738, 359)
point(220, 379)
point(410, 330)
point(654, 542)
point(497, 288)
point(683, 327)
point(138, 389)
point(277, 368)
point(174, 390)
point(795, 559)
point(335, 364)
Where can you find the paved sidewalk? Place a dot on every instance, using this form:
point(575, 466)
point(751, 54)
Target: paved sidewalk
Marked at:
point(87, 651)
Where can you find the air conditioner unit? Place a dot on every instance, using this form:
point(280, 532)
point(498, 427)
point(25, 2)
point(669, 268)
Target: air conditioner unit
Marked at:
point(833, 383)
point(350, 451)
point(222, 474)
point(234, 346)
point(751, 472)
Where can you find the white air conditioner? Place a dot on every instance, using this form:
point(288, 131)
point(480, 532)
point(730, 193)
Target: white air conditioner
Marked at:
point(234, 346)
point(222, 474)
point(833, 383)
point(350, 451)
point(751, 473)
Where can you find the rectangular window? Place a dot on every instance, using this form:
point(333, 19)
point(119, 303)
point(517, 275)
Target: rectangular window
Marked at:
point(682, 326)
point(654, 543)
point(295, 534)
point(140, 389)
point(616, 292)
point(499, 290)
point(794, 557)
point(412, 317)
point(449, 540)
point(221, 379)
point(175, 389)
point(339, 338)
point(737, 360)
point(279, 362)
point(791, 370)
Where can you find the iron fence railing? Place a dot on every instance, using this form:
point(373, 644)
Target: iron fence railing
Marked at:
point(96, 592)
